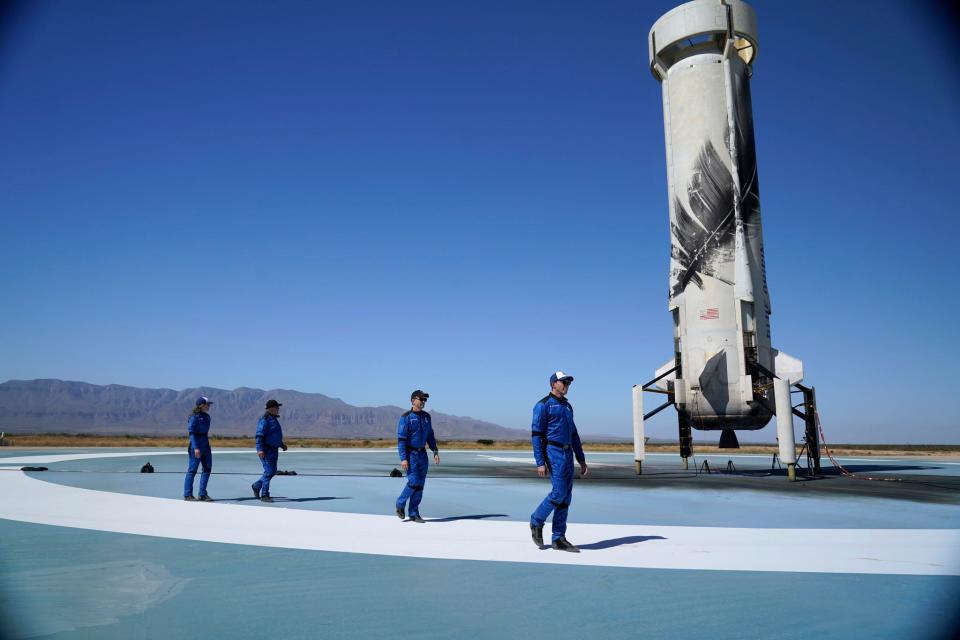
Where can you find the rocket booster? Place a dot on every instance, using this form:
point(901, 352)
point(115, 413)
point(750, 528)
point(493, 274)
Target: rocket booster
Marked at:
point(701, 52)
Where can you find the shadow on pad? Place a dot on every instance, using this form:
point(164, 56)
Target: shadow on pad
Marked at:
point(480, 516)
point(279, 499)
point(616, 542)
point(312, 499)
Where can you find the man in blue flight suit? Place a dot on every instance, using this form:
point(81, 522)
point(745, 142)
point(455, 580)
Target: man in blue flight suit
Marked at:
point(414, 435)
point(199, 452)
point(269, 442)
point(555, 443)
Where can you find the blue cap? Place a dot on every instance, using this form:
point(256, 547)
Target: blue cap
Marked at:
point(560, 375)
point(203, 400)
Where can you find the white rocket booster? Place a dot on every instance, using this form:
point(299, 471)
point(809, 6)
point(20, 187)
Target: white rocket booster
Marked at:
point(701, 52)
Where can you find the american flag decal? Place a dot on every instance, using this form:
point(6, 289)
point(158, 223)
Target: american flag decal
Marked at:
point(710, 314)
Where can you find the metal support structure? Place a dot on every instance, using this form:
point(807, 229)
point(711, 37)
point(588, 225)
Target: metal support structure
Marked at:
point(666, 404)
point(811, 443)
point(659, 378)
point(686, 440)
point(639, 417)
point(811, 434)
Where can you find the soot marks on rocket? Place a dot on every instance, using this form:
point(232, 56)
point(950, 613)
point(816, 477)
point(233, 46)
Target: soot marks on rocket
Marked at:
point(704, 235)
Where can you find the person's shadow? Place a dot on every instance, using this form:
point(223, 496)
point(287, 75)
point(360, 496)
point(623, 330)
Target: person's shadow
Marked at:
point(616, 542)
point(480, 516)
point(283, 499)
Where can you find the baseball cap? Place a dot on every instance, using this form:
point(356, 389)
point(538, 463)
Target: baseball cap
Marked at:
point(419, 394)
point(560, 375)
point(273, 403)
point(203, 400)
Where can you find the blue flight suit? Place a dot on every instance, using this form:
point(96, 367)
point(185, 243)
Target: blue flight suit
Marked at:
point(198, 426)
point(555, 443)
point(414, 435)
point(269, 440)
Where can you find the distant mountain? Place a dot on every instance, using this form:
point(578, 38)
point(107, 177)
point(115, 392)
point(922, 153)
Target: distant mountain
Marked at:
point(31, 406)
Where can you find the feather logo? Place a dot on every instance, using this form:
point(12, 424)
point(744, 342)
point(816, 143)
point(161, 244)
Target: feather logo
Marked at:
point(704, 234)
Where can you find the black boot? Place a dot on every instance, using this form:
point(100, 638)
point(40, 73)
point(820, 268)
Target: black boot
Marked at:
point(400, 513)
point(562, 544)
point(537, 534)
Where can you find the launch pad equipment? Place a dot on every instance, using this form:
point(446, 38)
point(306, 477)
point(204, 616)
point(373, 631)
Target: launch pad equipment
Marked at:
point(724, 374)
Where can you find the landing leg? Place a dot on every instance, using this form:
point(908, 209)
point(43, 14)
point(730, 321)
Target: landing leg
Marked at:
point(639, 439)
point(785, 437)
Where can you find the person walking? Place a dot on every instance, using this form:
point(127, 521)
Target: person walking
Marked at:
point(414, 435)
point(269, 443)
point(198, 451)
point(555, 444)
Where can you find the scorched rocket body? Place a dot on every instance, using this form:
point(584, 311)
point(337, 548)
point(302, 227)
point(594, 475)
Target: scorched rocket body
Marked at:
point(723, 373)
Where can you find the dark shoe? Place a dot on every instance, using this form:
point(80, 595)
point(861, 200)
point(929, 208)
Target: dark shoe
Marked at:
point(400, 513)
point(417, 518)
point(537, 534)
point(205, 499)
point(256, 490)
point(189, 498)
point(266, 499)
point(562, 544)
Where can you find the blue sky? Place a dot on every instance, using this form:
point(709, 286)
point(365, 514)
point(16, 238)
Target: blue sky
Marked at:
point(363, 198)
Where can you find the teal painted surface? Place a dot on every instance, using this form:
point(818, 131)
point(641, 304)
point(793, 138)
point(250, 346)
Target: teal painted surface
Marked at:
point(68, 584)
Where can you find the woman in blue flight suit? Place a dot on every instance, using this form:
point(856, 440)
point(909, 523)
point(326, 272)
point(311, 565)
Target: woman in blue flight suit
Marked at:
point(414, 435)
point(198, 426)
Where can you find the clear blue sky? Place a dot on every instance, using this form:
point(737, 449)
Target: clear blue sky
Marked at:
point(363, 198)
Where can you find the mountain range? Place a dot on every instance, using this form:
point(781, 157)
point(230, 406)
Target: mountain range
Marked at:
point(48, 406)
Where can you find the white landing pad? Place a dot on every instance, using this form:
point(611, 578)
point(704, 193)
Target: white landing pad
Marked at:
point(863, 551)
